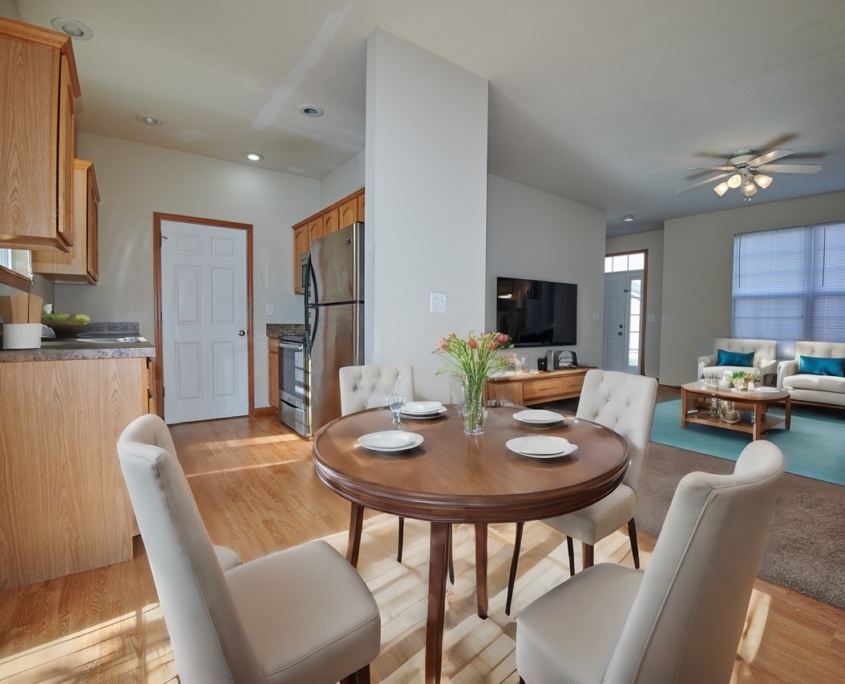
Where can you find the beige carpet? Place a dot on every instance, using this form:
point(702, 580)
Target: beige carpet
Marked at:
point(475, 650)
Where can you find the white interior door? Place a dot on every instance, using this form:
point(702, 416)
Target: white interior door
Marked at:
point(204, 311)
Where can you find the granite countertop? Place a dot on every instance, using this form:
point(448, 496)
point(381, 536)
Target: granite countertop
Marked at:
point(279, 329)
point(98, 341)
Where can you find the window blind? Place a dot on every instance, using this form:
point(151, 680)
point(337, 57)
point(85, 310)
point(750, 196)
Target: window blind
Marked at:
point(789, 284)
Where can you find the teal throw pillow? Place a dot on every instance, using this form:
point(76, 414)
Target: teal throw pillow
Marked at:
point(821, 365)
point(726, 358)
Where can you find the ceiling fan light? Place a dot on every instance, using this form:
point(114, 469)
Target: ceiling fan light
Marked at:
point(763, 180)
point(749, 189)
point(735, 181)
point(722, 188)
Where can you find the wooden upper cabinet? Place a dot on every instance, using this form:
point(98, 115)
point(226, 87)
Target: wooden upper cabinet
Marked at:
point(315, 229)
point(349, 212)
point(38, 86)
point(339, 215)
point(330, 221)
point(80, 264)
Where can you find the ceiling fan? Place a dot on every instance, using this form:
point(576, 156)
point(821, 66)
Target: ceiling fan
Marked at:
point(746, 171)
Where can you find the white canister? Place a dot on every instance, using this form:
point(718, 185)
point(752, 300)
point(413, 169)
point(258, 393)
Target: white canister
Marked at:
point(21, 336)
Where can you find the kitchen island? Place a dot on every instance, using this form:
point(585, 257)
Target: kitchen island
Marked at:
point(63, 407)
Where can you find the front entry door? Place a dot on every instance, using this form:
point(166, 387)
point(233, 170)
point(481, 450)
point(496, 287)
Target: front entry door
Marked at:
point(204, 321)
point(623, 298)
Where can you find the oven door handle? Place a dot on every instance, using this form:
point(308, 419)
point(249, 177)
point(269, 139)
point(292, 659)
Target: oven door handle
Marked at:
point(298, 346)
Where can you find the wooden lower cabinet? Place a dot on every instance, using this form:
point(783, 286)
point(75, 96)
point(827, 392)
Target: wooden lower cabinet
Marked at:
point(531, 388)
point(65, 507)
point(273, 371)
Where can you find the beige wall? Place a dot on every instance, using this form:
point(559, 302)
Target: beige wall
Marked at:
point(651, 241)
point(537, 235)
point(137, 180)
point(698, 271)
point(426, 208)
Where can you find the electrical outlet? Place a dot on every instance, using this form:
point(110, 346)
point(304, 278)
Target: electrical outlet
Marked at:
point(268, 309)
point(438, 302)
point(596, 316)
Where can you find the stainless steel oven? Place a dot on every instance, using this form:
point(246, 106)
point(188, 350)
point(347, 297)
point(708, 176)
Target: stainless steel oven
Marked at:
point(294, 386)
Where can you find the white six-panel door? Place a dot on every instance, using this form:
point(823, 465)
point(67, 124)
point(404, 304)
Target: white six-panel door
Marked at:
point(204, 312)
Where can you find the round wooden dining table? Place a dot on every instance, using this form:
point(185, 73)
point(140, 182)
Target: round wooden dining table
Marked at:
point(452, 477)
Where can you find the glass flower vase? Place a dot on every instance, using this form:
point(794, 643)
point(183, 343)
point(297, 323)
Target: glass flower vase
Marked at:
point(471, 406)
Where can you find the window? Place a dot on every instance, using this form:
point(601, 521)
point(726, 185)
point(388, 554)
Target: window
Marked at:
point(16, 268)
point(789, 284)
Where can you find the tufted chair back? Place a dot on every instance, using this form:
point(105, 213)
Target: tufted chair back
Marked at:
point(625, 404)
point(835, 350)
point(363, 387)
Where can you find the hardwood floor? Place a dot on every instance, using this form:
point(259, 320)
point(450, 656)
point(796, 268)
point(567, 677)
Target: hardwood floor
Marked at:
point(257, 492)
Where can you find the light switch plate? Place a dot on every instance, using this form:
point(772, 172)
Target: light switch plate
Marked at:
point(438, 302)
point(268, 309)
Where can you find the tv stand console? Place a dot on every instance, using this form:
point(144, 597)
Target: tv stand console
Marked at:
point(525, 389)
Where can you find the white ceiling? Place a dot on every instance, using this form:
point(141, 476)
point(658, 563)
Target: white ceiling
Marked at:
point(605, 103)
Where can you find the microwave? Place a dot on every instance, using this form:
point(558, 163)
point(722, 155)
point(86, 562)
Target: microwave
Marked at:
point(304, 259)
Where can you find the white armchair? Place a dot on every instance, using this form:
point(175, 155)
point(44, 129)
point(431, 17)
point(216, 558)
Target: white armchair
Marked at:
point(764, 362)
point(817, 387)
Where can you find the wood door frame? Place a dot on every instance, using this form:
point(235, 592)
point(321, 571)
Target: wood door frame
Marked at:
point(644, 298)
point(158, 217)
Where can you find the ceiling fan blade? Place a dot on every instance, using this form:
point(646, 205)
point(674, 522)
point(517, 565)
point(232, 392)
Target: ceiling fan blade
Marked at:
point(712, 168)
point(704, 182)
point(769, 157)
point(790, 168)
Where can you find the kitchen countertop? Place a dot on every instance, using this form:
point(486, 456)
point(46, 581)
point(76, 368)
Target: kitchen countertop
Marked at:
point(279, 329)
point(63, 349)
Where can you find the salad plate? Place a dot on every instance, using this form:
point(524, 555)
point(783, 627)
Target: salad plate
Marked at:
point(422, 408)
point(538, 417)
point(540, 446)
point(390, 440)
point(424, 416)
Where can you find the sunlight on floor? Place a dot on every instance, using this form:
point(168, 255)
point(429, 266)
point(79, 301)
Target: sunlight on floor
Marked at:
point(249, 441)
point(109, 644)
point(274, 464)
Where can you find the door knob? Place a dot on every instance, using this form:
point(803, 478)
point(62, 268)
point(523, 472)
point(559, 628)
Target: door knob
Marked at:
point(620, 334)
point(241, 333)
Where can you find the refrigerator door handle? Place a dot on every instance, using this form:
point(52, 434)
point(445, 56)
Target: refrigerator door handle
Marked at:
point(311, 286)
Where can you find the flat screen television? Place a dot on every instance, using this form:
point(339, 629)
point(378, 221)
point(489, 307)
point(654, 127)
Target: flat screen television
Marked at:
point(537, 313)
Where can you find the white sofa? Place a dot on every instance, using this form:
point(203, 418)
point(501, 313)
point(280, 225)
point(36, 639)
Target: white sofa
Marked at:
point(763, 364)
point(810, 387)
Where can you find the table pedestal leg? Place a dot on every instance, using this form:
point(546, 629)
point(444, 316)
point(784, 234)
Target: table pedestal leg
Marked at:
point(436, 601)
point(787, 412)
point(353, 543)
point(481, 569)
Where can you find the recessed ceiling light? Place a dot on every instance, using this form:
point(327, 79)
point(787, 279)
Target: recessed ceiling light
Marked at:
point(254, 156)
point(310, 110)
point(149, 119)
point(75, 29)
point(628, 218)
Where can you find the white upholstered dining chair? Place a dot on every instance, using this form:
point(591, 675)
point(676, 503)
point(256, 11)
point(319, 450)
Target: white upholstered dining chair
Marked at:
point(298, 615)
point(681, 619)
point(624, 403)
point(363, 387)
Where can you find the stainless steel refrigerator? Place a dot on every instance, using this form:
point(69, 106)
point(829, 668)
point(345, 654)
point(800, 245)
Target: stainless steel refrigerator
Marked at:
point(334, 317)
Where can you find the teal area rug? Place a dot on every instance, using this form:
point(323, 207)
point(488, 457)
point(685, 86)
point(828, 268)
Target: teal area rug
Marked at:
point(814, 446)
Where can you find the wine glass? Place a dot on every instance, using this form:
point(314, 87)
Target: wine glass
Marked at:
point(396, 402)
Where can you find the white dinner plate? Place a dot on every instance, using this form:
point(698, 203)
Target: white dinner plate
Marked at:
point(541, 446)
point(536, 416)
point(390, 440)
point(422, 408)
point(424, 416)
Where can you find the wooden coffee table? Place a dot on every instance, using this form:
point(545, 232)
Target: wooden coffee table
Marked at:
point(695, 407)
